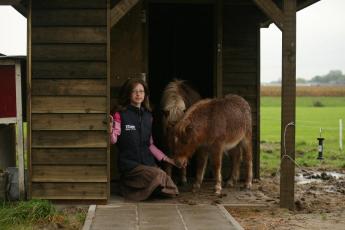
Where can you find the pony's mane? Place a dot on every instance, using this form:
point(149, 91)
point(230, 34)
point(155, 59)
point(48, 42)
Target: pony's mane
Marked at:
point(182, 125)
point(172, 100)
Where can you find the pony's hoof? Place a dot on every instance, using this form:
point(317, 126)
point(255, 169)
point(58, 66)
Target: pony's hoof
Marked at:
point(218, 193)
point(196, 188)
point(248, 186)
point(230, 184)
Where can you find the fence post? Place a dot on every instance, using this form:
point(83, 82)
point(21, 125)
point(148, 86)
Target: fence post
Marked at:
point(340, 134)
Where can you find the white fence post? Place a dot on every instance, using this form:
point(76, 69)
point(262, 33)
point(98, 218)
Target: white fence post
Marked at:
point(340, 134)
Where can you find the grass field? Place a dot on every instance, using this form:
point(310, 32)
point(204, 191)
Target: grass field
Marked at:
point(312, 113)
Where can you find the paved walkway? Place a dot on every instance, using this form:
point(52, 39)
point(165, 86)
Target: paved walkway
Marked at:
point(159, 216)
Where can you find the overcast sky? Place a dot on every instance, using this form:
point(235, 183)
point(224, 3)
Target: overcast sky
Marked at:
point(320, 40)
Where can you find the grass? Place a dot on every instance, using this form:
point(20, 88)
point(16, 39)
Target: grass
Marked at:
point(309, 119)
point(40, 214)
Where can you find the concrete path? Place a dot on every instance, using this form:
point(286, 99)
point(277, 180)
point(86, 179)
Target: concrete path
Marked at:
point(159, 216)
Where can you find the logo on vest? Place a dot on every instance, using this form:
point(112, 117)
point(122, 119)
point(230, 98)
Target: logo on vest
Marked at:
point(130, 127)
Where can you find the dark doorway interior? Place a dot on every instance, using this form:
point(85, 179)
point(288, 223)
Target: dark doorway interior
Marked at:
point(181, 45)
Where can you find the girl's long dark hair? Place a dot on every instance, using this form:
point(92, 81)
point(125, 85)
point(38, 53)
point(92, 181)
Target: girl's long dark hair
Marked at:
point(125, 95)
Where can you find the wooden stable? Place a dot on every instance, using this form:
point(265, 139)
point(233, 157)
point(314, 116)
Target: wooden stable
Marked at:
point(81, 51)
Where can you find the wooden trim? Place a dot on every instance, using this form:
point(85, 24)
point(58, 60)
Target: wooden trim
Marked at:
point(272, 11)
point(288, 119)
point(120, 10)
point(20, 136)
point(219, 48)
point(8, 120)
point(28, 92)
point(108, 95)
point(258, 112)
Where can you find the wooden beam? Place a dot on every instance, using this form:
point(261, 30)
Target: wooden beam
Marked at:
point(120, 10)
point(287, 182)
point(272, 11)
point(10, 2)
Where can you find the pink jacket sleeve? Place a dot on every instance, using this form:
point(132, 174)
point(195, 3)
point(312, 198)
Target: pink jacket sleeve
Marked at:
point(116, 128)
point(158, 154)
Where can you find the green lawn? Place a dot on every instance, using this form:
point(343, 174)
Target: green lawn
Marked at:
point(309, 120)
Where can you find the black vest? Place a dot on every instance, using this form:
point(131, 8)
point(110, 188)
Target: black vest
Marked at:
point(134, 141)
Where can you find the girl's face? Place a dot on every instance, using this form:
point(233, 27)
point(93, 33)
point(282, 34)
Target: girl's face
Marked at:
point(137, 95)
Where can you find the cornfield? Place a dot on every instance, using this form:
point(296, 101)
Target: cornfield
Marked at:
point(306, 91)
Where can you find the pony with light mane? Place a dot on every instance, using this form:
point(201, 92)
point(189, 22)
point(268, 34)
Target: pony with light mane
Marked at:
point(176, 99)
point(220, 124)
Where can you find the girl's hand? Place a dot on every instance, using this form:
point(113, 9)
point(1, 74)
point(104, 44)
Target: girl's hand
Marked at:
point(170, 161)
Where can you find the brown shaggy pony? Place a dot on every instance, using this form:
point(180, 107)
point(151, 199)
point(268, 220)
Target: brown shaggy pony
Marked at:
point(220, 124)
point(176, 99)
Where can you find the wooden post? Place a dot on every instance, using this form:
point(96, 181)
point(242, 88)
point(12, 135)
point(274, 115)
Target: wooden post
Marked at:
point(219, 49)
point(19, 139)
point(287, 182)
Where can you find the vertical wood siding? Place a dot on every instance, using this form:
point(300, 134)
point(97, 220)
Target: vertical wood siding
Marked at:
point(69, 99)
point(241, 62)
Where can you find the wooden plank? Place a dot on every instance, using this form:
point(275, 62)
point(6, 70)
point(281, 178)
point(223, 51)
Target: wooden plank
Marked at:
point(69, 52)
point(272, 11)
point(287, 177)
point(46, 35)
point(69, 139)
point(219, 49)
point(69, 17)
point(240, 65)
point(50, 104)
point(108, 99)
point(20, 136)
point(28, 90)
point(69, 121)
point(68, 4)
point(51, 173)
point(65, 191)
point(120, 10)
point(242, 52)
point(69, 69)
point(69, 87)
point(69, 156)
point(240, 79)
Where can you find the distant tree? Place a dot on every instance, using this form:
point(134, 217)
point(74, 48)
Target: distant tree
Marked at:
point(333, 77)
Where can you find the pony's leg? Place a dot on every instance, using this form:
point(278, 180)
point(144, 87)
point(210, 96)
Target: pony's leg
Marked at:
point(217, 154)
point(235, 155)
point(201, 159)
point(246, 145)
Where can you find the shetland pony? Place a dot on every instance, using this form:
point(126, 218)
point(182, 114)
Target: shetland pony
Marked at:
point(219, 124)
point(176, 99)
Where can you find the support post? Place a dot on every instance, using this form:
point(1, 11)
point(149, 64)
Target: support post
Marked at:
point(19, 139)
point(287, 182)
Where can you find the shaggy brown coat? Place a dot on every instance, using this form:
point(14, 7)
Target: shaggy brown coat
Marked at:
point(220, 124)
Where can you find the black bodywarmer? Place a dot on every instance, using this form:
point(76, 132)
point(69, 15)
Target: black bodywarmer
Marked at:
point(134, 141)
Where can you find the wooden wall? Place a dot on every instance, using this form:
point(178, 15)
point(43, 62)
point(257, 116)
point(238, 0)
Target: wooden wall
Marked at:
point(241, 61)
point(69, 104)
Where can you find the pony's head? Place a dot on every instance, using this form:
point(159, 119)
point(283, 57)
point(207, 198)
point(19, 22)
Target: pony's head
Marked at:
point(173, 105)
point(183, 142)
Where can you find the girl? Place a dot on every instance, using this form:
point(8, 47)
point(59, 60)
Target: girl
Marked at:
point(131, 131)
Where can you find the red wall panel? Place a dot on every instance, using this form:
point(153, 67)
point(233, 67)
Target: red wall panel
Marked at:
point(7, 91)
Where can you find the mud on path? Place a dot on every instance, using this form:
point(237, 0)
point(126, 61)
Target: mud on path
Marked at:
point(319, 202)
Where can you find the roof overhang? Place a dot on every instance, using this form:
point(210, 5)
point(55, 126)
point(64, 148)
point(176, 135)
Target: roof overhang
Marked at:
point(19, 5)
point(301, 4)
